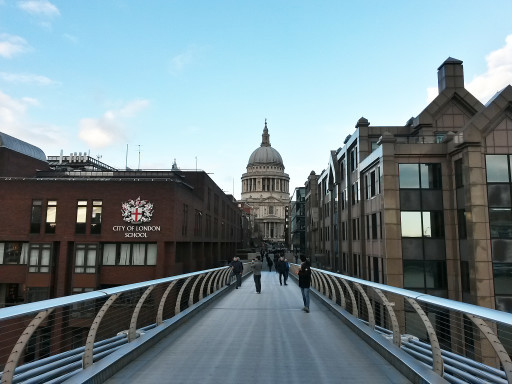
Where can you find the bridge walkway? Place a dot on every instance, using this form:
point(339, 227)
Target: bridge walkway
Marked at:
point(245, 337)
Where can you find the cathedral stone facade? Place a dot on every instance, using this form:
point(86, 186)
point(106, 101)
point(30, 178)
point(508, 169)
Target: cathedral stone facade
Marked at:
point(265, 189)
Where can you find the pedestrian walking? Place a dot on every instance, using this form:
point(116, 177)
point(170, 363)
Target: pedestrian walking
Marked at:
point(269, 263)
point(256, 266)
point(281, 269)
point(286, 270)
point(305, 281)
point(237, 269)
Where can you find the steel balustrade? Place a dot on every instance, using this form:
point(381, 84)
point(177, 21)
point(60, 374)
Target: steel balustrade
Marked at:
point(398, 302)
point(192, 288)
point(185, 290)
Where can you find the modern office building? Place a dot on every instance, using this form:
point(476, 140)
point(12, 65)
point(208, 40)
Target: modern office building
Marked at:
point(298, 221)
point(425, 206)
point(74, 224)
point(265, 189)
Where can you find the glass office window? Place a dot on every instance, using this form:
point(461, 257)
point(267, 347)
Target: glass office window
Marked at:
point(51, 216)
point(409, 176)
point(497, 168)
point(81, 216)
point(96, 216)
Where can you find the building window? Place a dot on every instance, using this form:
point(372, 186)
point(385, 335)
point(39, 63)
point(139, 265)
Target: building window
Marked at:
point(51, 216)
point(39, 258)
point(424, 176)
point(372, 184)
point(198, 223)
point(13, 253)
point(497, 167)
point(85, 258)
point(459, 176)
point(184, 222)
point(83, 309)
point(422, 224)
point(270, 210)
point(425, 274)
point(37, 294)
point(36, 216)
point(374, 225)
point(96, 216)
point(81, 216)
point(129, 254)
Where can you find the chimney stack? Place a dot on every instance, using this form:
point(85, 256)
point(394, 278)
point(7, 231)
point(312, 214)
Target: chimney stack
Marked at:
point(450, 74)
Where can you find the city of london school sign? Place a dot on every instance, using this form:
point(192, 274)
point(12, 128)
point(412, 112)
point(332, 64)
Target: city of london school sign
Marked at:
point(138, 214)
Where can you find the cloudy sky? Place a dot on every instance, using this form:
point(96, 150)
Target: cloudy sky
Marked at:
point(141, 83)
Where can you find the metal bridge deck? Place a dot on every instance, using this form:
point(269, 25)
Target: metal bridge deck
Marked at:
point(245, 337)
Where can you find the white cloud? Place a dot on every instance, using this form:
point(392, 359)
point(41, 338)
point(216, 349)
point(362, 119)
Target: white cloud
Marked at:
point(497, 76)
point(179, 62)
point(15, 122)
point(39, 8)
point(71, 38)
point(25, 78)
point(109, 128)
point(11, 45)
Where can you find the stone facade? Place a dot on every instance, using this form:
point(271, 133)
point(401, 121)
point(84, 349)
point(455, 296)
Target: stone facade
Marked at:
point(265, 188)
point(425, 206)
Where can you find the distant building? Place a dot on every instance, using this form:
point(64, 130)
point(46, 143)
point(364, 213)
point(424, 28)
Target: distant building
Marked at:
point(425, 206)
point(265, 188)
point(74, 224)
point(298, 221)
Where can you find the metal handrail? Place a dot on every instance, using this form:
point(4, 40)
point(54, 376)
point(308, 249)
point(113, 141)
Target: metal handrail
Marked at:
point(28, 308)
point(483, 320)
point(44, 310)
point(482, 312)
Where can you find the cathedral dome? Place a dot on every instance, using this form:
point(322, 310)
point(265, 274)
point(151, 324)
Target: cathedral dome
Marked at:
point(265, 154)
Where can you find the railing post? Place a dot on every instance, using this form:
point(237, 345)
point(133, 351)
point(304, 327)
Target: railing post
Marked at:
point(371, 317)
point(160, 313)
point(191, 296)
point(177, 308)
point(436, 349)
point(342, 295)
point(392, 316)
point(208, 275)
point(355, 312)
point(495, 344)
point(15, 355)
point(132, 332)
point(87, 358)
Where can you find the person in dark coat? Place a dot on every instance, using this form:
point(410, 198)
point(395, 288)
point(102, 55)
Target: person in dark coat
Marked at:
point(281, 269)
point(237, 270)
point(270, 263)
point(305, 281)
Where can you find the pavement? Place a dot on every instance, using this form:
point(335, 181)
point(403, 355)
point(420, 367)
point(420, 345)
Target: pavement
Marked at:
point(249, 338)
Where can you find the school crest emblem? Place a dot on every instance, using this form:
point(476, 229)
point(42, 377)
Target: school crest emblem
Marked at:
point(137, 211)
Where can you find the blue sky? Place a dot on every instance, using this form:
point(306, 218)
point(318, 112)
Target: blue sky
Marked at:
point(195, 80)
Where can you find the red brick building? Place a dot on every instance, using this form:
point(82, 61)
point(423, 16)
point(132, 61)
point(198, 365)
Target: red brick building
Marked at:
point(73, 224)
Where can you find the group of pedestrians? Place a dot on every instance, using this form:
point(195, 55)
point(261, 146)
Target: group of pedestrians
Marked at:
point(283, 268)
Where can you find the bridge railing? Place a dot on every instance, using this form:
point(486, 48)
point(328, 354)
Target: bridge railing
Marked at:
point(461, 342)
point(49, 341)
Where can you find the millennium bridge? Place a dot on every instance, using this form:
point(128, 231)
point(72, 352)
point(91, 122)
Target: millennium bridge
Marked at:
point(197, 328)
